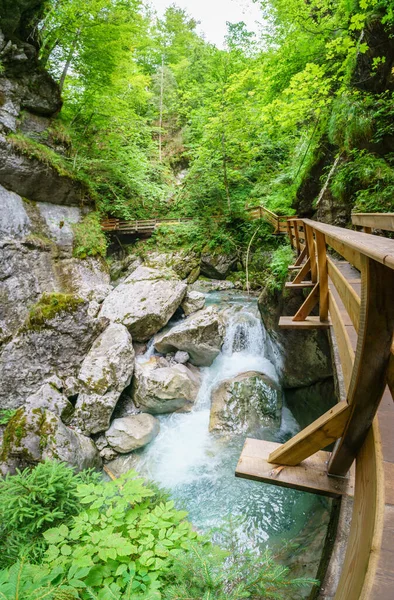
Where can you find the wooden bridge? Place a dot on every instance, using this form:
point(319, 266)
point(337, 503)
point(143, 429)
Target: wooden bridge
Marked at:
point(148, 226)
point(355, 299)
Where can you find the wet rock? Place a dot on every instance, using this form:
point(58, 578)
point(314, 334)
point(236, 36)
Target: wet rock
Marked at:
point(200, 335)
point(305, 356)
point(34, 435)
point(131, 433)
point(245, 403)
point(193, 302)
point(217, 266)
point(105, 372)
point(160, 389)
point(145, 302)
point(181, 357)
point(52, 399)
point(211, 286)
point(14, 220)
point(57, 346)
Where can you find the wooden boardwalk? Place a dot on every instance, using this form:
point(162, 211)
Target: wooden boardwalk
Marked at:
point(356, 303)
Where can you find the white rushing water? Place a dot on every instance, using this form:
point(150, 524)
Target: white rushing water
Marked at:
point(198, 467)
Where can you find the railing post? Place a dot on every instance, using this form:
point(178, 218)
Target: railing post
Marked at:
point(296, 237)
point(310, 242)
point(323, 274)
point(375, 336)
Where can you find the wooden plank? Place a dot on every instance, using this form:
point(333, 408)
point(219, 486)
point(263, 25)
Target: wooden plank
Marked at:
point(345, 349)
point(383, 221)
point(323, 276)
point(350, 299)
point(303, 284)
point(356, 243)
point(306, 308)
point(301, 275)
point(318, 435)
point(309, 323)
point(310, 244)
point(371, 362)
point(309, 476)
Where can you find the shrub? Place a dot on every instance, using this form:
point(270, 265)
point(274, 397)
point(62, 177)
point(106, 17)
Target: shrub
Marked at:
point(277, 270)
point(32, 501)
point(89, 238)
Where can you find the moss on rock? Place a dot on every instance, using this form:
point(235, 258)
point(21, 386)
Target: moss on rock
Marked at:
point(49, 306)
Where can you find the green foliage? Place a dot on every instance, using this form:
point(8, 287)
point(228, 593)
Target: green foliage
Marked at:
point(31, 502)
point(277, 270)
point(89, 238)
point(33, 582)
point(6, 415)
point(49, 306)
point(122, 534)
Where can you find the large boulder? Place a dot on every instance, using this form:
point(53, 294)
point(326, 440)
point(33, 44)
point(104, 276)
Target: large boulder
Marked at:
point(182, 263)
point(245, 403)
point(105, 372)
point(201, 335)
point(50, 398)
point(216, 265)
point(192, 302)
point(89, 278)
point(36, 434)
point(145, 302)
point(57, 344)
point(305, 356)
point(162, 389)
point(14, 220)
point(131, 433)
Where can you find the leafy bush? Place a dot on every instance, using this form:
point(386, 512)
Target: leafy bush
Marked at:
point(32, 501)
point(89, 238)
point(123, 533)
point(277, 271)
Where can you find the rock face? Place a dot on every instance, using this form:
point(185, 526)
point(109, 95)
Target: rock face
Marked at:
point(217, 266)
point(89, 278)
point(193, 302)
point(105, 372)
point(50, 398)
point(182, 263)
point(245, 403)
point(34, 435)
point(162, 389)
point(133, 432)
point(201, 335)
point(14, 220)
point(58, 346)
point(145, 302)
point(305, 355)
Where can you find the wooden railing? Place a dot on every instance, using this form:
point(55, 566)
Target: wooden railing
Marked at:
point(369, 221)
point(355, 298)
point(278, 222)
point(138, 226)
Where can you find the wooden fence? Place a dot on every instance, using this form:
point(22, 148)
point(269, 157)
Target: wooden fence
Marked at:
point(278, 222)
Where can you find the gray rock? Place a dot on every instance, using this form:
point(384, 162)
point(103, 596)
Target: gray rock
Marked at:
point(36, 180)
point(59, 221)
point(131, 433)
point(108, 454)
point(123, 464)
point(193, 302)
point(50, 398)
point(182, 263)
point(145, 302)
point(89, 278)
point(211, 286)
point(160, 390)
point(14, 220)
point(57, 347)
point(217, 266)
point(34, 435)
point(181, 357)
point(201, 335)
point(105, 372)
point(121, 269)
point(245, 403)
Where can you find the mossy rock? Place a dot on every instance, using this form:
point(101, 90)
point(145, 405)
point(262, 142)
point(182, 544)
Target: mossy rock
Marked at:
point(49, 306)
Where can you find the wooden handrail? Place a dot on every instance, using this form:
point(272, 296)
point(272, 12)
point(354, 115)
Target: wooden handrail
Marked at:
point(369, 221)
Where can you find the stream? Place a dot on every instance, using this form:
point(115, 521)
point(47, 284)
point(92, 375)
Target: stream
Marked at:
point(198, 467)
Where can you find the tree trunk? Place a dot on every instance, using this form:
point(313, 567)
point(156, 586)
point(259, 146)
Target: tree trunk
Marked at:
point(69, 59)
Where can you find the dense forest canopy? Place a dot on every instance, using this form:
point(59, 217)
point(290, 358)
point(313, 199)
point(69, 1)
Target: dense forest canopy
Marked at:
point(161, 122)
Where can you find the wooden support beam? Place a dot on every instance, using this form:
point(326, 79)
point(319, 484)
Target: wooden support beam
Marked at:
point(305, 310)
point(348, 296)
point(310, 243)
point(371, 363)
point(303, 272)
point(309, 476)
point(309, 323)
point(318, 435)
point(300, 258)
point(303, 284)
